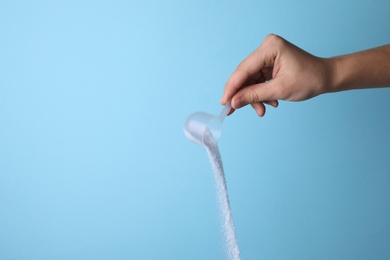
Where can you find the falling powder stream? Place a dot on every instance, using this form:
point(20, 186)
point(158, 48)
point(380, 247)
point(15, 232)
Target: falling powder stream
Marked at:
point(211, 146)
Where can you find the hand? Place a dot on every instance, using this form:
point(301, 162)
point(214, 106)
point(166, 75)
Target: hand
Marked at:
point(277, 70)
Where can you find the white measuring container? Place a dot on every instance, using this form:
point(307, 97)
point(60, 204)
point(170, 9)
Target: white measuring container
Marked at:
point(198, 122)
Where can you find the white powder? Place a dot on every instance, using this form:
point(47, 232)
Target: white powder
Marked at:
point(211, 146)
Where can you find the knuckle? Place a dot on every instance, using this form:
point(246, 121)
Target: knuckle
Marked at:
point(273, 39)
point(252, 96)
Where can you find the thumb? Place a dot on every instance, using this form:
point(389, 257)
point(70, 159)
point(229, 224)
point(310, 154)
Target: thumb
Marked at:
point(260, 92)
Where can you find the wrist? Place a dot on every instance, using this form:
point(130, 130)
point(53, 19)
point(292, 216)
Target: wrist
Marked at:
point(333, 78)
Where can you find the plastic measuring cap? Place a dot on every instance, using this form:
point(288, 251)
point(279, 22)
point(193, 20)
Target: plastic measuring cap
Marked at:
point(198, 122)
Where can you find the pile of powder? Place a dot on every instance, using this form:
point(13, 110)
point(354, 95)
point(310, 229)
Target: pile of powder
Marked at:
point(211, 146)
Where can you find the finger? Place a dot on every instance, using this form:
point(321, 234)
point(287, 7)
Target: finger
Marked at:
point(252, 65)
point(255, 93)
point(259, 108)
point(263, 57)
point(273, 103)
point(234, 83)
point(256, 78)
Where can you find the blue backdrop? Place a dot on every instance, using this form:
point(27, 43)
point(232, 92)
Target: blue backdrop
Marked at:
point(94, 163)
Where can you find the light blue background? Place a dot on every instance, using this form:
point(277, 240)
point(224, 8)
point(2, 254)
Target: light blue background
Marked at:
point(94, 163)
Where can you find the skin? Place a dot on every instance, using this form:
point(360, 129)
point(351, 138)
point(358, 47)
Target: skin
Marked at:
point(279, 70)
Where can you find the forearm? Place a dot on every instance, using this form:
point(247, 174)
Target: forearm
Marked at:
point(365, 69)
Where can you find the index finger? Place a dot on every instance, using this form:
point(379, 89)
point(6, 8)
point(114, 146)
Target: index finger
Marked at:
point(242, 73)
point(262, 57)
